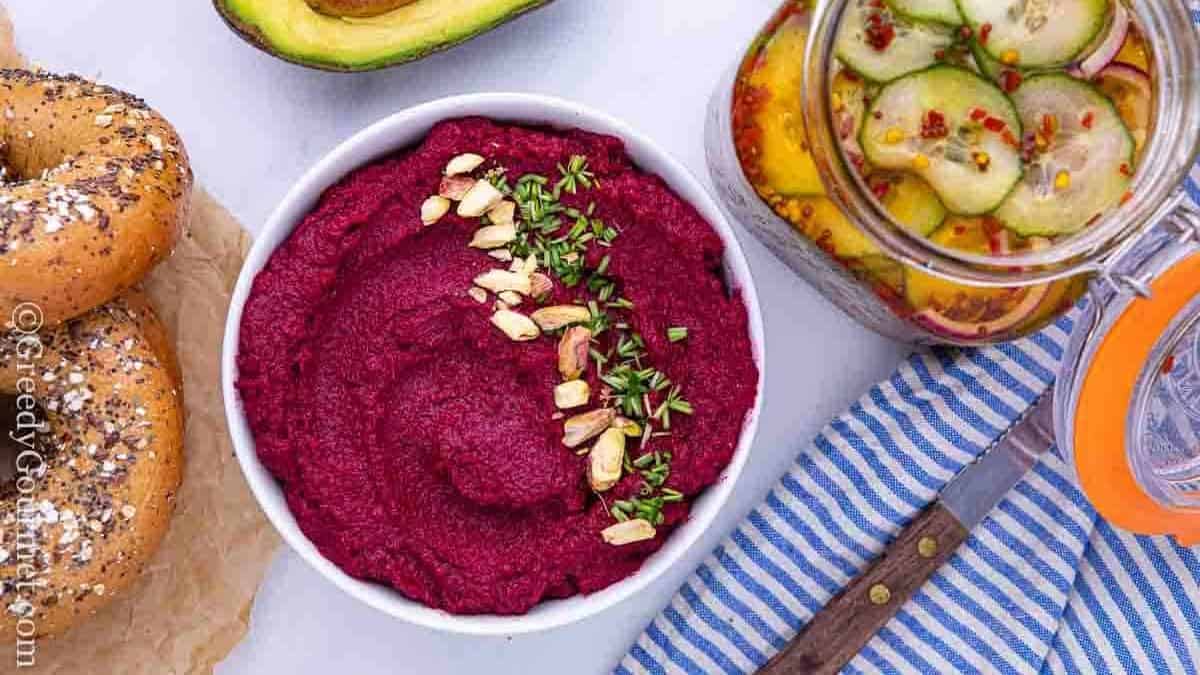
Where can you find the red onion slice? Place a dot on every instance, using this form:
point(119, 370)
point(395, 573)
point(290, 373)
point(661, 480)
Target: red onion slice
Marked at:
point(1135, 104)
point(1111, 46)
point(1000, 242)
point(940, 324)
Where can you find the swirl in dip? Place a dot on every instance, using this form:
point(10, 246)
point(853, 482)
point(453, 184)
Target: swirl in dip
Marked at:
point(420, 425)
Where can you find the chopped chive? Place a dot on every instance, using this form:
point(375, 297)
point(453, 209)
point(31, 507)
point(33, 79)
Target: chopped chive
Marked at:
point(677, 333)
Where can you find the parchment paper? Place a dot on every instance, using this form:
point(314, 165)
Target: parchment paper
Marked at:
point(192, 605)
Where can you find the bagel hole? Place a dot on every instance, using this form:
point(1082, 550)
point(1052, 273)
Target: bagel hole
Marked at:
point(24, 441)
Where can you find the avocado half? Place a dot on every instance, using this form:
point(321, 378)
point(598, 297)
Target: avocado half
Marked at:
point(294, 31)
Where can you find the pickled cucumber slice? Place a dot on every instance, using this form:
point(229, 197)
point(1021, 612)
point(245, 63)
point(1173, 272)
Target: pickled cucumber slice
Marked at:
point(942, 11)
point(1033, 33)
point(882, 270)
point(1084, 160)
point(823, 222)
point(910, 201)
point(952, 128)
point(850, 96)
point(882, 45)
point(990, 67)
point(786, 164)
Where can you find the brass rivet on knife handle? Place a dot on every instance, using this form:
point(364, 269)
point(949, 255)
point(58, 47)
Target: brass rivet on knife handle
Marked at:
point(927, 547)
point(848, 622)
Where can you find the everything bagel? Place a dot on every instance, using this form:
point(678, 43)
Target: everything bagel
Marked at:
point(96, 189)
point(99, 463)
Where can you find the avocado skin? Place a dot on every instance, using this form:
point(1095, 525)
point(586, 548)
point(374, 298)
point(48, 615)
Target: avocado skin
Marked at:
point(253, 36)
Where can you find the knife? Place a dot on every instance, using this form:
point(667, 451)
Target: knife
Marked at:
point(848, 622)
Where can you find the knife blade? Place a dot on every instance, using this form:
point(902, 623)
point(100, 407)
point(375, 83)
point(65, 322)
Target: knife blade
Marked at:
point(852, 618)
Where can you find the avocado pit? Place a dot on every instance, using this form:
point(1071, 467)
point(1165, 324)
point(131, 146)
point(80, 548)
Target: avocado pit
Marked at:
point(358, 9)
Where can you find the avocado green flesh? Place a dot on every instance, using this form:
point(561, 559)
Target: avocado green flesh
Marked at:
point(293, 30)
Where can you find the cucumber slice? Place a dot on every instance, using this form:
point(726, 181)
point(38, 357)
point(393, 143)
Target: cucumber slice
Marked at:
point(993, 69)
point(942, 11)
point(909, 200)
point(823, 222)
point(787, 165)
point(850, 96)
point(1034, 33)
point(1090, 145)
point(882, 270)
point(881, 45)
point(989, 66)
point(971, 159)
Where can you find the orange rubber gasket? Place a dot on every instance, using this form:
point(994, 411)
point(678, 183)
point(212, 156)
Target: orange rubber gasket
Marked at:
point(1101, 456)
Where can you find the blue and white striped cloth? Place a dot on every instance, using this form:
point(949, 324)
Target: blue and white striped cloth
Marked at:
point(1043, 585)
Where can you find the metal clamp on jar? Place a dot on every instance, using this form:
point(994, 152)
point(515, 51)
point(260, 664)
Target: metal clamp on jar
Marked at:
point(785, 141)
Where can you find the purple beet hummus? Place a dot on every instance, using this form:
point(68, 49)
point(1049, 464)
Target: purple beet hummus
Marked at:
point(417, 445)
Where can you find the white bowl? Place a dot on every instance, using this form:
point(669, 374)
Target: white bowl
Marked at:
point(406, 129)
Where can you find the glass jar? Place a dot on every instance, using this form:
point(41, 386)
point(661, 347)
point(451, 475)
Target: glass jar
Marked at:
point(776, 151)
point(1127, 405)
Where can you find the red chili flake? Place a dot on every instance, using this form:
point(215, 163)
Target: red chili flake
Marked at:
point(995, 124)
point(940, 55)
point(984, 31)
point(1168, 365)
point(807, 212)
point(1088, 120)
point(881, 189)
point(1126, 170)
point(1010, 80)
point(879, 33)
point(979, 114)
point(825, 243)
point(966, 32)
point(1008, 137)
point(1049, 126)
point(1126, 198)
point(934, 125)
point(960, 230)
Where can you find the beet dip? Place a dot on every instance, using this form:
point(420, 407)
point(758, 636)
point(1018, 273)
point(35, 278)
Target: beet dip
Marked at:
point(418, 445)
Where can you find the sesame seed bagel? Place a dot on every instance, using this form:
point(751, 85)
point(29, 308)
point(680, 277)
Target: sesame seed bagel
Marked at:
point(96, 190)
point(92, 495)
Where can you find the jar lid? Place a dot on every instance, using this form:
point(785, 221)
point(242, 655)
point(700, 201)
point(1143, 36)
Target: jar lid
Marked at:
point(1129, 399)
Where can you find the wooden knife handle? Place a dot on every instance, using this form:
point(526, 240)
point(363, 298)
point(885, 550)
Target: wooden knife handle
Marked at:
point(840, 631)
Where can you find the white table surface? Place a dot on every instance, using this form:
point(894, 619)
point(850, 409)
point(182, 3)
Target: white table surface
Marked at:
point(254, 124)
